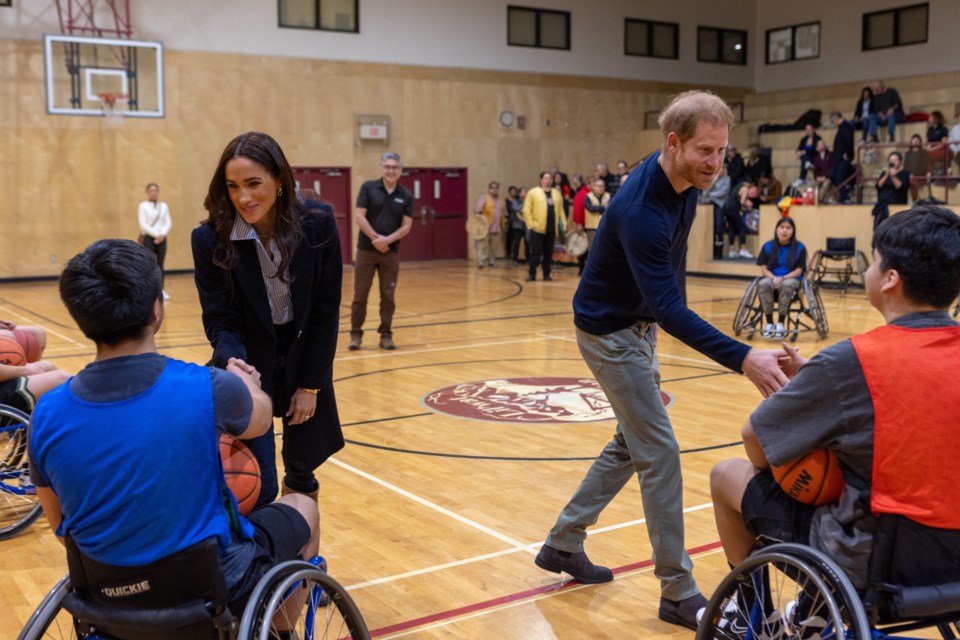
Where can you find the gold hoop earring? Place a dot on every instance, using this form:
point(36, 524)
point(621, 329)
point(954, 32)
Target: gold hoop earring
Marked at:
point(279, 192)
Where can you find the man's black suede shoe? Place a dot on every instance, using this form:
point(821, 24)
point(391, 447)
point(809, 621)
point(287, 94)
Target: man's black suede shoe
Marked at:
point(576, 564)
point(683, 612)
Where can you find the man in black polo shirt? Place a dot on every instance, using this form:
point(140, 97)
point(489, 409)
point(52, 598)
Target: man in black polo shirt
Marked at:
point(384, 215)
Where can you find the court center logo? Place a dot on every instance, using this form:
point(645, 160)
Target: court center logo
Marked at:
point(526, 400)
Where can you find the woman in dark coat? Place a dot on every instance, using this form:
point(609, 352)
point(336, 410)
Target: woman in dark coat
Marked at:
point(268, 271)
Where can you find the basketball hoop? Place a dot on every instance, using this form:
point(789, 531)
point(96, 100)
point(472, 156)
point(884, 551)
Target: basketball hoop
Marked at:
point(114, 105)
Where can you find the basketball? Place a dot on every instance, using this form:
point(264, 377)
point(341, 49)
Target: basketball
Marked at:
point(241, 471)
point(813, 479)
point(11, 352)
point(28, 340)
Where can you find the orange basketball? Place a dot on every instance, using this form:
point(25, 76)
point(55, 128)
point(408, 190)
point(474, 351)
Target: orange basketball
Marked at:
point(241, 471)
point(813, 479)
point(11, 352)
point(28, 340)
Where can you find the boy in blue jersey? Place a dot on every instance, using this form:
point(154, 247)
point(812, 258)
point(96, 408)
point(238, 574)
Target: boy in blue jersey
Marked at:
point(125, 455)
point(632, 282)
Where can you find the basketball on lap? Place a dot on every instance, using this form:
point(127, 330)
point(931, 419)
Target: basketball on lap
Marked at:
point(812, 479)
point(241, 471)
point(28, 340)
point(11, 353)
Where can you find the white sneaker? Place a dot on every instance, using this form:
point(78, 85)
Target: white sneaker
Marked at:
point(745, 254)
point(733, 253)
point(811, 628)
point(166, 296)
point(767, 331)
point(779, 332)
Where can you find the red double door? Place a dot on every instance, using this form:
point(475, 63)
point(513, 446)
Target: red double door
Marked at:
point(440, 209)
point(333, 185)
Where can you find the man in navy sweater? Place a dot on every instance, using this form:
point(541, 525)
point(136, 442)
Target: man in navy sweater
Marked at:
point(633, 281)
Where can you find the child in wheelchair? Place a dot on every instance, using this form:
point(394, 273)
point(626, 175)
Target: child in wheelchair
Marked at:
point(782, 261)
point(877, 397)
point(125, 454)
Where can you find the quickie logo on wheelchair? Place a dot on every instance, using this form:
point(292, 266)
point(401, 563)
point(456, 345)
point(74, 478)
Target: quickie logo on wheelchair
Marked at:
point(114, 592)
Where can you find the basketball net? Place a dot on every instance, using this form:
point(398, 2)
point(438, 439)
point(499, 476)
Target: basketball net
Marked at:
point(114, 105)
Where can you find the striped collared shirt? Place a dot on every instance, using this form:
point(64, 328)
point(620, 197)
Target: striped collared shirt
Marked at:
point(278, 291)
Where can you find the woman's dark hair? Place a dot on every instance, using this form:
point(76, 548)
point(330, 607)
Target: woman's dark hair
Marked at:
point(773, 259)
point(923, 246)
point(869, 93)
point(264, 150)
point(936, 117)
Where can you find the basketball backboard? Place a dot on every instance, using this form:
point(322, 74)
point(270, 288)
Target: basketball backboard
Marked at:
point(80, 69)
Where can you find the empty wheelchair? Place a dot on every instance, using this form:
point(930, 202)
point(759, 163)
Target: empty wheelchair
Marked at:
point(184, 596)
point(19, 505)
point(807, 312)
point(841, 265)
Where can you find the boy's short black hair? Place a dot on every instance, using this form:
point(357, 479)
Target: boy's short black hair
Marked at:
point(923, 245)
point(110, 289)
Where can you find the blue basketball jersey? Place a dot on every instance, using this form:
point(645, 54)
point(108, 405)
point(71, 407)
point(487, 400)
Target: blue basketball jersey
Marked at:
point(140, 478)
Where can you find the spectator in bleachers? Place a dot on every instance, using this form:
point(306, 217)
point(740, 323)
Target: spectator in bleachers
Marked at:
point(734, 164)
point(771, 189)
point(807, 149)
point(717, 195)
point(822, 164)
point(889, 108)
point(937, 134)
point(843, 153)
point(865, 115)
point(917, 164)
point(757, 165)
point(954, 139)
point(893, 185)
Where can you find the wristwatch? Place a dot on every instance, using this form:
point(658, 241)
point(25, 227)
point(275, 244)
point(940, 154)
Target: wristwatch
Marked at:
point(312, 392)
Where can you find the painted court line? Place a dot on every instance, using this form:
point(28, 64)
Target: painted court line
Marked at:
point(432, 505)
point(530, 548)
point(511, 600)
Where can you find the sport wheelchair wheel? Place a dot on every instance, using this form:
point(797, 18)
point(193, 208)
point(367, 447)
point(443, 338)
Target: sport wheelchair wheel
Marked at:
point(19, 505)
point(785, 591)
point(746, 317)
point(815, 308)
point(327, 610)
point(50, 619)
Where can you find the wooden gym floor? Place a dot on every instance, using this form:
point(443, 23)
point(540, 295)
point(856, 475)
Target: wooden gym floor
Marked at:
point(432, 520)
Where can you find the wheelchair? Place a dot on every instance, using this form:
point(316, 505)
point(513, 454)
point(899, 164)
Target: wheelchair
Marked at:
point(184, 596)
point(841, 261)
point(791, 591)
point(19, 505)
point(807, 312)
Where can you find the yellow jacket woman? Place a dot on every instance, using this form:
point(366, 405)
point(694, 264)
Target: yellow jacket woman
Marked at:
point(540, 201)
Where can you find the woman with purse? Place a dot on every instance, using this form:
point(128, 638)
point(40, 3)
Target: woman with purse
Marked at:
point(269, 273)
point(154, 218)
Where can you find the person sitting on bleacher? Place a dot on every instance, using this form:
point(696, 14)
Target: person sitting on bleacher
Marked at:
point(881, 381)
point(125, 455)
point(782, 262)
point(889, 108)
point(807, 149)
point(917, 163)
point(822, 164)
point(893, 186)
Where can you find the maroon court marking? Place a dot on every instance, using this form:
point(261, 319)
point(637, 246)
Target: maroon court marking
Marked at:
point(514, 597)
point(525, 400)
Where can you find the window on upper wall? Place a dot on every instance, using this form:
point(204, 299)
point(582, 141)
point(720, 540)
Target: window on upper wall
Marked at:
point(326, 15)
point(799, 42)
point(895, 27)
point(538, 28)
point(651, 39)
point(726, 46)
point(6, 3)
